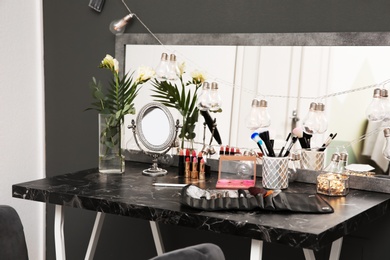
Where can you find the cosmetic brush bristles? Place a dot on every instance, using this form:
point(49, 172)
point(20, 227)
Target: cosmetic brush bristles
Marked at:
point(255, 137)
point(298, 132)
point(264, 135)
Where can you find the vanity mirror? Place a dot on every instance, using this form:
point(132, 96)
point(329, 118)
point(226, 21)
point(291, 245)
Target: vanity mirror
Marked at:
point(289, 70)
point(156, 130)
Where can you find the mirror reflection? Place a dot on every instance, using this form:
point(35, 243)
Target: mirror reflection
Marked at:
point(150, 120)
point(289, 78)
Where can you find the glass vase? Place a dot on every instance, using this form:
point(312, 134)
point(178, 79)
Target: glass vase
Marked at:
point(111, 158)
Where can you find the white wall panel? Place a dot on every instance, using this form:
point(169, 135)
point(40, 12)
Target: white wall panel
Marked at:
point(22, 112)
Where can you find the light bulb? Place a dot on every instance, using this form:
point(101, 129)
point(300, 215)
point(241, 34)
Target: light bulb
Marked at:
point(265, 118)
point(321, 118)
point(173, 69)
point(386, 149)
point(119, 26)
point(386, 104)
point(375, 111)
point(203, 100)
point(215, 98)
point(252, 121)
point(310, 122)
point(162, 68)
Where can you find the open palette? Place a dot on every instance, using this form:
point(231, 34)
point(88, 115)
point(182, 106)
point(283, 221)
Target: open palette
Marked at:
point(236, 172)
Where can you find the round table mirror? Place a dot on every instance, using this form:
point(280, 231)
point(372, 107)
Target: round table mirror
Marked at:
point(156, 131)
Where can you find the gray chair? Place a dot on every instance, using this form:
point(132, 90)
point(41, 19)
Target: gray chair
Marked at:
point(12, 239)
point(206, 251)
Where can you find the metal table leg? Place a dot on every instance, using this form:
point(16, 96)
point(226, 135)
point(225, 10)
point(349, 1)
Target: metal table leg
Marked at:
point(157, 237)
point(334, 251)
point(59, 232)
point(97, 227)
point(256, 249)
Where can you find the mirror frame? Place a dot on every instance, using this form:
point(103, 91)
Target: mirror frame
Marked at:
point(252, 39)
point(171, 136)
point(268, 39)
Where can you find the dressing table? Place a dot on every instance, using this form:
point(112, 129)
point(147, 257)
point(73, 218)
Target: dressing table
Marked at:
point(133, 195)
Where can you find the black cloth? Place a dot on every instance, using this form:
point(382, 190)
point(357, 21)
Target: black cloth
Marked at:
point(12, 239)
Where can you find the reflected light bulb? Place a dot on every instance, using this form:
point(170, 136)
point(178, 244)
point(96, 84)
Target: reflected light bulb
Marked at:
point(173, 69)
point(162, 68)
point(310, 122)
point(321, 118)
point(215, 98)
point(386, 104)
point(375, 110)
point(252, 121)
point(118, 26)
point(203, 100)
point(386, 149)
point(265, 118)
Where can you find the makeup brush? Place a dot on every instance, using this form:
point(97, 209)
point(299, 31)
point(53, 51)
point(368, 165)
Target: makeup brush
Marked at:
point(298, 132)
point(264, 135)
point(281, 150)
point(327, 142)
point(256, 191)
point(209, 121)
point(293, 141)
point(255, 137)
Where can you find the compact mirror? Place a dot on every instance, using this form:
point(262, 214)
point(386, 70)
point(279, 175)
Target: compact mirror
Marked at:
point(156, 130)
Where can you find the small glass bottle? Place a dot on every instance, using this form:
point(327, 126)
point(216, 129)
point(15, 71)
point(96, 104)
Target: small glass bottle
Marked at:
point(333, 166)
point(386, 148)
point(343, 162)
point(294, 164)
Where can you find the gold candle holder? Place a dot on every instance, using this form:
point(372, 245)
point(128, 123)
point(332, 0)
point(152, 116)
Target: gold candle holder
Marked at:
point(333, 184)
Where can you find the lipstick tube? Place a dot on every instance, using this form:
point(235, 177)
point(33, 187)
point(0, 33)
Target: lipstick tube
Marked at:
point(202, 174)
point(181, 167)
point(187, 172)
point(194, 172)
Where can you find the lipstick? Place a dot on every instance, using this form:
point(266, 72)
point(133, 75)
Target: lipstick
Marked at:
point(181, 163)
point(187, 173)
point(194, 172)
point(221, 150)
point(200, 158)
point(202, 174)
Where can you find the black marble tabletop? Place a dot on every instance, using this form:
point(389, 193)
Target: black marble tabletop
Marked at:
point(132, 194)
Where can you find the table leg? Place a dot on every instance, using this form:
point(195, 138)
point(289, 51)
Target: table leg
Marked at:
point(309, 254)
point(97, 227)
point(256, 249)
point(157, 237)
point(59, 233)
point(334, 251)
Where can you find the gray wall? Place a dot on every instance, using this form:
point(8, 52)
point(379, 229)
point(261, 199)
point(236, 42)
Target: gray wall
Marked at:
point(76, 38)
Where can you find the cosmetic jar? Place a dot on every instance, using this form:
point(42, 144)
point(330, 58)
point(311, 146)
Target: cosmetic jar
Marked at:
point(333, 184)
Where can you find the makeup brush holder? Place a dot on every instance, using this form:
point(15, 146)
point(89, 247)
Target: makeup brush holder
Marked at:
point(312, 160)
point(275, 173)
